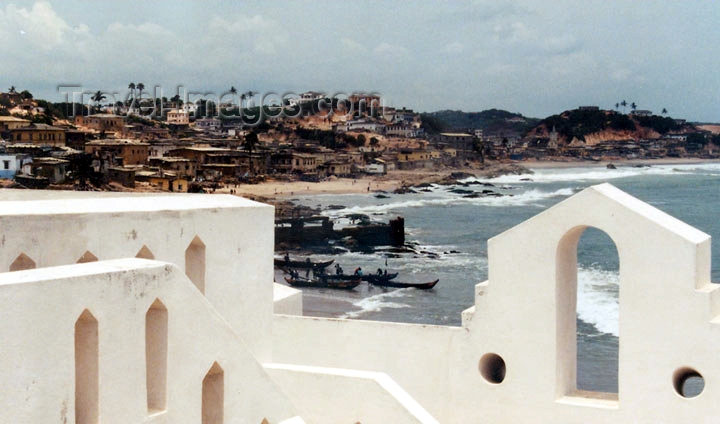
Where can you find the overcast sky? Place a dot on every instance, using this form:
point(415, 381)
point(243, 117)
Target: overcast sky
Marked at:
point(533, 57)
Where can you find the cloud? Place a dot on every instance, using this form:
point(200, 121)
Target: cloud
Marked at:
point(472, 55)
point(351, 46)
point(454, 48)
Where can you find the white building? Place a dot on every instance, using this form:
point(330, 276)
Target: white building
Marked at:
point(161, 309)
point(364, 125)
point(178, 117)
point(13, 163)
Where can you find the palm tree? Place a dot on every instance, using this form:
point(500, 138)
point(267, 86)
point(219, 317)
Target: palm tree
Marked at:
point(633, 106)
point(617, 106)
point(623, 104)
point(664, 111)
point(97, 98)
point(176, 101)
point(233, 90)
point(12, 90)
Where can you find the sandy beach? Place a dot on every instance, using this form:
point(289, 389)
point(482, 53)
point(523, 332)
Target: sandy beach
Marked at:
point(396, 179)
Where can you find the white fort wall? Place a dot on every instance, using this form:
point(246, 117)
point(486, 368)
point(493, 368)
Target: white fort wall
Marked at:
point(525, 314)
point(512, 361)
point(235, 237)
point(53, 373)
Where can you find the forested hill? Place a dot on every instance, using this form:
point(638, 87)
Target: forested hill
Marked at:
point(593, 126)
point(491, 121)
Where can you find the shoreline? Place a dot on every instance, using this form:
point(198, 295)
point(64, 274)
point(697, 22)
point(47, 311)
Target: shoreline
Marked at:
point(282, 190)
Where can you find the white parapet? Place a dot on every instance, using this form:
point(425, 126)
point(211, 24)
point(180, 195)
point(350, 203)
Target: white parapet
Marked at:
point(91, 335)
point(224, 243)
point(124, 341)
point(514, 358)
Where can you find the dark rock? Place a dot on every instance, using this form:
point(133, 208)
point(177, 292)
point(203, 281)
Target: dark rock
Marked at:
point(381, 196)
point(404, 190)
point(336, 207)
point(513, 169)
point(423, 185)
point(460, 191)
point(461, 175)
point(611, 166)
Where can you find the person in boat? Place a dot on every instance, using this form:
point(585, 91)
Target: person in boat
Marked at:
point(358, 271)
point(338, 269)
point(379, 272)
point(287, 258)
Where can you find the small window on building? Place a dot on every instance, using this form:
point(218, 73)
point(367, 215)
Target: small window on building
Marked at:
point(6, 164)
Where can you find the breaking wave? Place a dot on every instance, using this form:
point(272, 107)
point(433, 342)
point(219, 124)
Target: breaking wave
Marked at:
point(598, 173)
point(598, 299)
point(528, 198)
point(378, 302)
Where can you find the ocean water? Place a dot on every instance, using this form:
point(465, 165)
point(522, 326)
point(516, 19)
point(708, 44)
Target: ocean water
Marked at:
point(441, 222)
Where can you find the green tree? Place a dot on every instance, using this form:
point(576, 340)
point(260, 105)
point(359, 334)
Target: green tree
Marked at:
point(176, 101)
point(97, 98)
point(664, 111)
point(11, 90)
point(633, 106)
point(696, 138)
point(26, 95)
point(623, 104)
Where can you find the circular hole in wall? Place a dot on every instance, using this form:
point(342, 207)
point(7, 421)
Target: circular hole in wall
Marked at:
point(688, 383)
point(492, 368)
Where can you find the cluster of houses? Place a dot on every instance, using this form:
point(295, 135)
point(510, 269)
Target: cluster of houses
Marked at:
point(182, 154)
point(179, 152)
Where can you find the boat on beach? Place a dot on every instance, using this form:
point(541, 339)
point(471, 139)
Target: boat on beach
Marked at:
point(375, 278)
point(323, 282)
point(283, 263)
point(419, 286)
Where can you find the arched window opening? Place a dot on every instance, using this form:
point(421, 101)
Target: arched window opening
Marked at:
point(213, 395)
point(195, 263)
point(156, 354)
point(87, 257)
point(588, 272)
point(145, 253)
point(86, 369)
point(22, 262)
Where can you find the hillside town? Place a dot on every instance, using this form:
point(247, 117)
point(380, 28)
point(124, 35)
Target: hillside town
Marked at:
point(191, 147)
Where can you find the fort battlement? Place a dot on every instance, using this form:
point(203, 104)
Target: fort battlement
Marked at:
point(159, 309)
